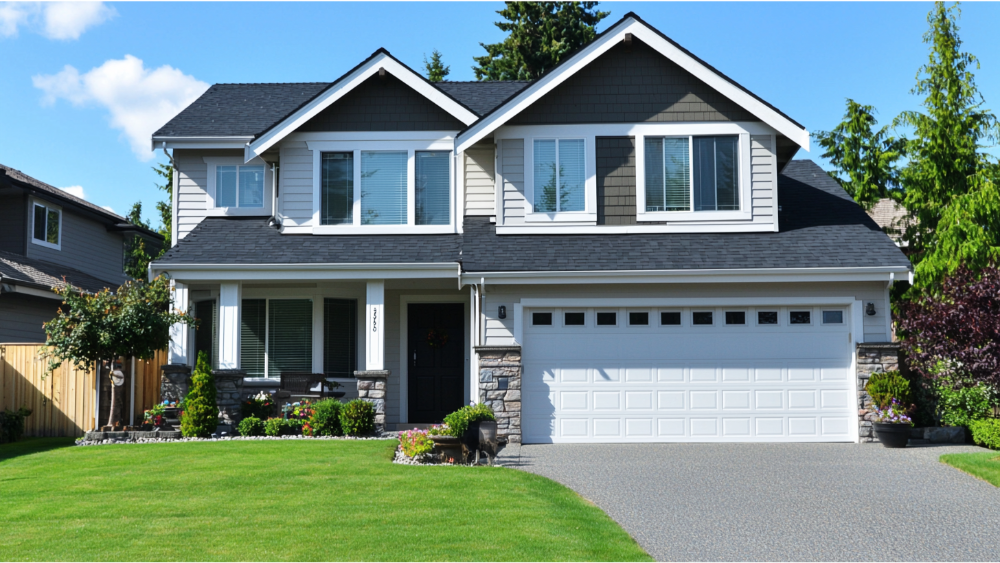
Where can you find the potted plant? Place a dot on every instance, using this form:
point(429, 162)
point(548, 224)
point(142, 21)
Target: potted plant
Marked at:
point(448, 446)
point(892, 425)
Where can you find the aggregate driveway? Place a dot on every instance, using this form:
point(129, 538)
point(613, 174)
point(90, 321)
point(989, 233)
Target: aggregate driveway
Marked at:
point(781, 502)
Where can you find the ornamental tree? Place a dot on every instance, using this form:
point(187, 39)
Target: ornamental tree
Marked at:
point(955, 334)
point(133, 321)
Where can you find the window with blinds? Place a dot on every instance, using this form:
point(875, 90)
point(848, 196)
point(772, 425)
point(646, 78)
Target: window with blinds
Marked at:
point(289, 336)
point(716, 178)
point(668, 174)
point(340, 337)
point(253, 331)
point(337, 188)
point(383, 188)
point(432, 189)
point(559, 172)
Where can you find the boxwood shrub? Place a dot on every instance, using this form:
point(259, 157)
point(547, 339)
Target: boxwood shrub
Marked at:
point(282, 427)
point(251, 426)
point(458, 421)
point(886, 386)
point(986, 432)
point(325, 419)
point(357, 418)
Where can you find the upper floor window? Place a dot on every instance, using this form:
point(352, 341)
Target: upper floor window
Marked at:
point(681, 171)
point(239, 186)
point(559, 175)
point(46, 225)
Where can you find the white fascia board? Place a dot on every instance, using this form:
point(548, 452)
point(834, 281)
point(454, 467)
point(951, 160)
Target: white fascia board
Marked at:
point(746, 275)
point(201, 142)
point(591, 229)
point(685, 301)
point(10, 286)
point(611, 38)
point(311, 272)
point(350, 82)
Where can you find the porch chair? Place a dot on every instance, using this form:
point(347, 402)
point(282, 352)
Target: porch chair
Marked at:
point(298, 385)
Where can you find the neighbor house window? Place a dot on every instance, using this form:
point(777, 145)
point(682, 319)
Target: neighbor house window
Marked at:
point(432, 189)
point(276, 336)
point(46, 228)
point(239, 186)
point(559, 174)
point(337, 189)
point(692, 173)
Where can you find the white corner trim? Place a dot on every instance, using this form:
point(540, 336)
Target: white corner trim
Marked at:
point(652, 38)
point(350, 82)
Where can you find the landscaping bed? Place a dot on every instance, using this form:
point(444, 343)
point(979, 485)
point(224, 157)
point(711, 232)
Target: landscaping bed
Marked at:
point(985, 466)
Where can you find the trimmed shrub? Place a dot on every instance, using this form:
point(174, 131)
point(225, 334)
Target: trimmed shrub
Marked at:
point(357, 418)
point(986, 432)
point(282, 427)
point(12, 424)
point(458, 421)
point(960, 406)
point(886, 386)
point(201, 412)
point(251, 426)
point(325, 419)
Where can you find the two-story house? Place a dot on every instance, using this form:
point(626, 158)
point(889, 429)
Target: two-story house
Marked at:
point(621, 250)
point(48, 238)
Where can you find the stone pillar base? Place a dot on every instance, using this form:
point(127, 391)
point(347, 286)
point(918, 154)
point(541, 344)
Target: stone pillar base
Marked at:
point(372, 388)
point(873, 357)
point(500, 387)
point(175, 381)
point(228, 394)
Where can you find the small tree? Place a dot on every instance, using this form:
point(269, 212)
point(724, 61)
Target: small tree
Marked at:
point(955, 335)
point(134, 322)
point(436, 71)
point(201, 411)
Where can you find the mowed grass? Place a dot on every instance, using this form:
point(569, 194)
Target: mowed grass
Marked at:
point(985, 465)
point(285, 500)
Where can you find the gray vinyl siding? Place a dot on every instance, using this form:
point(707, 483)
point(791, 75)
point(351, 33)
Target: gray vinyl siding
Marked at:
point(85, 245)
point(295, 184)
point(762, 177)
point(13, 223)
point(512, 167)
point(632, 85)
point(21, 317)
point(480, 178)
point(192, 186)
point(383, 105)
point(616, 181)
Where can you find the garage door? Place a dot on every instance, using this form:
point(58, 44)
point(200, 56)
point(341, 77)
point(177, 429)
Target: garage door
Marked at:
point(687, 375)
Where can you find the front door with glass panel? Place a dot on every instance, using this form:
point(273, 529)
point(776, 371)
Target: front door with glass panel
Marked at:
point(436, 360)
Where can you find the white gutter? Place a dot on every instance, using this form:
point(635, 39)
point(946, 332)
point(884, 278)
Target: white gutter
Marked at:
point(691, 276)
point(346, 271)
point(206, 142)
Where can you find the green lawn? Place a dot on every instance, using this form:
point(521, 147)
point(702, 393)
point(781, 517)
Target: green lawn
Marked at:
point(287, 500)
point(984, 465)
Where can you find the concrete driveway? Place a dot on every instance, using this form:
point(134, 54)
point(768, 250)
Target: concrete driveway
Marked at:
point(782, 502)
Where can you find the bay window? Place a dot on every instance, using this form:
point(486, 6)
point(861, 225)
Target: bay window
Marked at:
point(692, 173)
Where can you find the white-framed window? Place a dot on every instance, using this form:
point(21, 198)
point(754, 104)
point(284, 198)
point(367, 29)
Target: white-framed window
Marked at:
point(238, 188)
point(692, 173)
point(559, 173)
point(46, 225)
point(382, 186)
point(834, 317)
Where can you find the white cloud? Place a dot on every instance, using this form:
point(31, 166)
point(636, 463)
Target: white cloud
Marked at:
point(107, 208)
point(55, 20)
point(139, 100)
point(75, 191)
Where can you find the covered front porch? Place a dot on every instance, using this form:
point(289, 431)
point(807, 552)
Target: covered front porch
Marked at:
point(402, 340)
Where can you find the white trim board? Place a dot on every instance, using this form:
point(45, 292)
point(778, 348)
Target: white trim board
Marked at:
point(381, 60)
point(647, 35)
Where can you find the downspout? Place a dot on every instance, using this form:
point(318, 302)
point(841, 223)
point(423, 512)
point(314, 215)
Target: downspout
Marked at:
point(273, 221)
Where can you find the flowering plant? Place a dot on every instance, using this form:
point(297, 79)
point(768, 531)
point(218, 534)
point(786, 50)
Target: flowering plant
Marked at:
point(260, 406)
point(301, 410)
point(439, 430)
point(894, 413)
point(154, 415)
point(415, 442)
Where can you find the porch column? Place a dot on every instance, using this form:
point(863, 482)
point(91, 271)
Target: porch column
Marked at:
point(229, 326)
point(179, 332)
point(375, 326)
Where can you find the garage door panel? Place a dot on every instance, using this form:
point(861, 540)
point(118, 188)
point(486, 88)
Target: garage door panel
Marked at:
point(704, 427)
point(670, 374)
point(735, 400)
point(639, 427)
point(736, 427)
point(670, 400)
point(638, 400)
point(701, 400)
point(639, 374)
point(670, 427)
point(574, 400)
point(607, 400)
point(607, 427)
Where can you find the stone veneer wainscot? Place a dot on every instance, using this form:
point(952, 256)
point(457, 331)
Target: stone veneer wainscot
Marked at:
point(500, 387)
point(372, 388)
point(873, 357)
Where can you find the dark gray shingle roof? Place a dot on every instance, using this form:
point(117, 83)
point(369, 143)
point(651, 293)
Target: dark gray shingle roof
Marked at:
point(21, 270)
point(49, 189)
point(820, 227)
point(237, 110)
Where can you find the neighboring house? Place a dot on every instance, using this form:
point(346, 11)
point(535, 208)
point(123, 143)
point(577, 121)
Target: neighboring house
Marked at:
point(892, 218)
point(47, 235)
point(621, 250)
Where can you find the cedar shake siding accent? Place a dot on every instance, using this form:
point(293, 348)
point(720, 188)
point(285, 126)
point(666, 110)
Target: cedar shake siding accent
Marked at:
point(630, 86)
point(383, 105)
point(615, 180)
point(512, 196)
point(480, 178)
point(13, 223)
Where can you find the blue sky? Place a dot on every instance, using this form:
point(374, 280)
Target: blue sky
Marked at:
point(83, 89)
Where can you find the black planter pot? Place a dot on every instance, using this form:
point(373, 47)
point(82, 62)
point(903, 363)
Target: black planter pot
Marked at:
point(892, 435)
point(470, 439)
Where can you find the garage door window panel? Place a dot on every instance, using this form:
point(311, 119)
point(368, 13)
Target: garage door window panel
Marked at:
point(736, 318)
point(767, 318)
point(575, 318)
point(800, 317)
point(702, 318)
point(670, 318)
point(607, 318)
point(638, 318)
point(541, 318)
point(833, 317)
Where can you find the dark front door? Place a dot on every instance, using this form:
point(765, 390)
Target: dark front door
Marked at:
point(436, 356)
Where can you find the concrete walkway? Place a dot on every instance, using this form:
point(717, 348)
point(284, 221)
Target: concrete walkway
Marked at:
point(782, 502)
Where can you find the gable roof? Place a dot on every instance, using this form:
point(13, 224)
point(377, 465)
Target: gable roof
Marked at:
point(631, 24)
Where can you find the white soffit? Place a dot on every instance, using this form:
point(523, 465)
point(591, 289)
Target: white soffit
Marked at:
point(649, 36)
point(349, 82)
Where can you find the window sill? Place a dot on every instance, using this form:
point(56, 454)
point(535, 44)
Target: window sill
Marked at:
point(383, 229)
point(567, 217)
point(46, 244)
point(672, 216)
point(238, 212)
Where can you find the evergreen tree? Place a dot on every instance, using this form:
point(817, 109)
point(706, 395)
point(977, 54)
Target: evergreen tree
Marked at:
point(436, 71)
point(201, 412)
point(540, 34)
point(137, 254)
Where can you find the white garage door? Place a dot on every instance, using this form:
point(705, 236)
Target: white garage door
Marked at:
point(688, 375)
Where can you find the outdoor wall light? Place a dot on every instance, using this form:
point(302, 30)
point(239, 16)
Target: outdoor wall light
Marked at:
point(870, 309)
point(502, 311)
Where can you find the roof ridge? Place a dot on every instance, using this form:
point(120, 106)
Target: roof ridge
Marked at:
point(61, 192)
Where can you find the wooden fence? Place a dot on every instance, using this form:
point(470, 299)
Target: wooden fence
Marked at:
point(63, 403)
